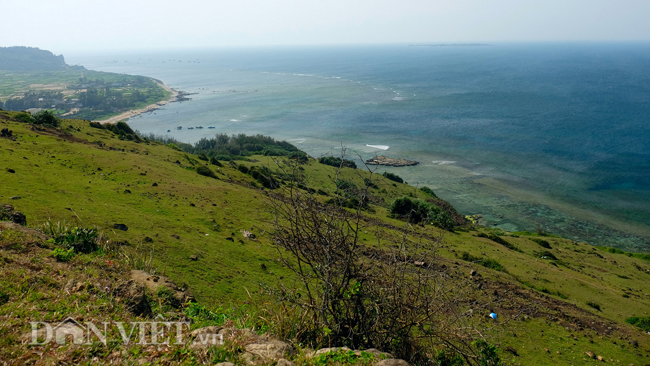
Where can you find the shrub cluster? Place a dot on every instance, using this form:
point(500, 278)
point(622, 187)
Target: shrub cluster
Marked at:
point(393, 177)
point(418, 211)
point(224, 147)
point(428, 191)
point(641, 322)
point(204, 170)
point(337, 162)
point(485, 262)
point(495, 238)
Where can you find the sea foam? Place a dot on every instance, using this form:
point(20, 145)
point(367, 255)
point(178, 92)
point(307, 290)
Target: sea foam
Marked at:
point(380, 147)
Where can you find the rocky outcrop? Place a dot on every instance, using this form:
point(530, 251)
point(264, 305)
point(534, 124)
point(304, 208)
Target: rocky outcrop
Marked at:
point(154, 283)
point(382, 160)
point(265, 350)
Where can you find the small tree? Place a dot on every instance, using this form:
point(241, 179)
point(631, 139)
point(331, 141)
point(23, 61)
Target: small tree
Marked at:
point(47, 118)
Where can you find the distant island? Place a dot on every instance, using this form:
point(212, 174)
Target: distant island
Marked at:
point(383, 160)
point(450, 45)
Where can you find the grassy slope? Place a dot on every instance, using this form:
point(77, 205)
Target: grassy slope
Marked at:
point(57, 173)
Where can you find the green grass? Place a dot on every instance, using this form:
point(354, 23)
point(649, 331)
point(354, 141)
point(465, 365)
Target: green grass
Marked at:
point(82, 181)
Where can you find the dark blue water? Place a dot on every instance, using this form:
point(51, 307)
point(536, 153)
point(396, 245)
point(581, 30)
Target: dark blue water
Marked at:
point(555, 136)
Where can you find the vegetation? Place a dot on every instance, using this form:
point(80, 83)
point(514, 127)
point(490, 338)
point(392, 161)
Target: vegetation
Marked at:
point(337, 162)
point(485, 262)
point(428, 191)
point(641, 322)
point(78, 173)
point(393, 177)
point(225, 148)
point(417, 211)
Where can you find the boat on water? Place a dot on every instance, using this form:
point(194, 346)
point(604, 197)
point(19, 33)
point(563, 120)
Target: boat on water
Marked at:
point(199, 127)
point(211, 127)
point(190, 128)
point(169, 130)
point(179, 127)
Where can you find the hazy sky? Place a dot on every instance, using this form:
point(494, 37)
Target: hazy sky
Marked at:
point(76, 25)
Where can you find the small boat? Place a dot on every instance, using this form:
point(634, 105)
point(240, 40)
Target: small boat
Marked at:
point(199, 127)
point(211, 127)
point(190, 128)
point(169, 130)
point(179, 127)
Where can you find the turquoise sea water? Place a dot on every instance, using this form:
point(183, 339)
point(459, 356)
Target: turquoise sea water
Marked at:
point(550, 136)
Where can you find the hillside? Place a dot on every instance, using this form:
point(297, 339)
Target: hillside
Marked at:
point(556, 299)
point(31, 59)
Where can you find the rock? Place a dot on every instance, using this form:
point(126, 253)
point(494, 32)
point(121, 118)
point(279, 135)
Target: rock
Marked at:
point(181, 296)
point(376, 353)
point(225, 364)
point(15, 198)
point(213, 329)
point(132, 294)
point(420, 264)
point(600, 358)
point(120, 227)
point(284, 362)
point(19, 218)
point(472, 273)
point(382, 160)
point(590, 354)
point(253, 359)
point(547, 350)
point(273, 349)
point(330, 350)
point(194, 258)
point(9, 170)
point(392, 362)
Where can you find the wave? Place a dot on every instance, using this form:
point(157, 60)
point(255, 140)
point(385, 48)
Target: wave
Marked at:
point(443, 162)
point(380, 147)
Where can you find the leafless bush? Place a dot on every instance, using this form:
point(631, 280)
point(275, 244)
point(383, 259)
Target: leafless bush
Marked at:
point(367, 285)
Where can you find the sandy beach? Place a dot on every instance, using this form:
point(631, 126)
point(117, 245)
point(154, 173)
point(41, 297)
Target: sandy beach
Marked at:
point(135, 112)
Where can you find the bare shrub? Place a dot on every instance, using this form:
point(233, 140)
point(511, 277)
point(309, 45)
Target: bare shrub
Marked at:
point(397, 294)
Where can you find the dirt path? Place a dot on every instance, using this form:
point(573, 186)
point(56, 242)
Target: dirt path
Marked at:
point(135, 112)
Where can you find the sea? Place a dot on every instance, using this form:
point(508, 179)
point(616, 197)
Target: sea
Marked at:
point(546, 137)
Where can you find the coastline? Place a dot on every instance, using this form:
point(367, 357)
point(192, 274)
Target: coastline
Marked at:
point(149, 108)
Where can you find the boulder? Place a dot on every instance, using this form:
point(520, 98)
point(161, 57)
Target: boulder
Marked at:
point(392, 362)
point(272, 349)
point(120, 227)
point(284, 362)
point(376, 353)
point(330, 350)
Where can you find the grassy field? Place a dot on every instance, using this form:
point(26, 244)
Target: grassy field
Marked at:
point(557, 299)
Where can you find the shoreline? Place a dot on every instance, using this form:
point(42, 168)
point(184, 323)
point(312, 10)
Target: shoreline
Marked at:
point(132, 113)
